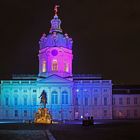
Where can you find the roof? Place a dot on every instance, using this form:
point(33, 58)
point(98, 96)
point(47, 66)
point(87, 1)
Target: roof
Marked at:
point(126, 89)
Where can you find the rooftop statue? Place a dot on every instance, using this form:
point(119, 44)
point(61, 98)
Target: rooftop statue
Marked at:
point(55, 38)
point(56, 9)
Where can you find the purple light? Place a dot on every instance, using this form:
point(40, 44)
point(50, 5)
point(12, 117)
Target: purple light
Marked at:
point(54, 52)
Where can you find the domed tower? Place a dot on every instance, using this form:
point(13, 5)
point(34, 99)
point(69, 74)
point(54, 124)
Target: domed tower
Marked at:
point(55, 54)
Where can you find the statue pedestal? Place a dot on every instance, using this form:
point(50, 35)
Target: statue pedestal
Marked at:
point(43, 116)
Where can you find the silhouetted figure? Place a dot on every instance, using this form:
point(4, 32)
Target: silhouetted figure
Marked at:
point(43, 97)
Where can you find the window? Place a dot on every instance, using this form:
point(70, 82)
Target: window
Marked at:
point(120, 101)
point(135, 113)
point(128, 100)
point(6, 113)
point(44, 66)
point(16, 113)
point(6, 101)
point(135, 100)
point(105, 90)
point(34, 90)
point(34, 112)
point(95, 90)
point(25, 113)
point(54, 98)
point(66, 68)
point(54, 65)
point(76, 101)
point(25, 100)
point(105, 112)
point(15, 90)
point(64, 97)
point(113, 101)
point(16, 101)
point(34, 100)
point(24, 90)
point(86, 101)
point(128, 113)
point(105, 101)
point(95, 101)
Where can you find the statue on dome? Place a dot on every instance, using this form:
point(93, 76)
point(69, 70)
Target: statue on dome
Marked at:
point(56, 9)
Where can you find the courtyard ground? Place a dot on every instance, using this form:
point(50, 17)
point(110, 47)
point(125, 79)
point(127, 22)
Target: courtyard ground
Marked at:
point(72, 130)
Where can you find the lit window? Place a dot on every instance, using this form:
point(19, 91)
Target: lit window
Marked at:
point(105, 101)
point(54, 65)
point(64, 97)
point(25, 113)
point(54, 97)
point(77, 90)
point(66, 68)
point(135, 100)
point(44, 66)
point(16, 113)
point(128, 100)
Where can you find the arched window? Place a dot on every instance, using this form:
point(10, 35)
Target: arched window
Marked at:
point(34, 99)
point(25, 113)
point(64, 97)
point(25, 100)
point(16, 113)
point(16, 101)
point(44, 66)
point(54, 97)
point(6, 101)
point(66, 67)
point(54, 65)
point(86, 101)
point(105, 101)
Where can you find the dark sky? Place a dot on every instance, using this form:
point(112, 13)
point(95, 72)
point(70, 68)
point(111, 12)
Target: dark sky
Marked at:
point(106, 36)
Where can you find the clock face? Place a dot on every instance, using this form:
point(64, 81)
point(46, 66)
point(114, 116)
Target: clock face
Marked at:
point(54, 52)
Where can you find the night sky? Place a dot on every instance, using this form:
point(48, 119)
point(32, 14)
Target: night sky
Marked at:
point(106, 35)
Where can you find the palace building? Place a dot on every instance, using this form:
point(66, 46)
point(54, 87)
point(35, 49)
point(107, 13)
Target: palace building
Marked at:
point(69, 96)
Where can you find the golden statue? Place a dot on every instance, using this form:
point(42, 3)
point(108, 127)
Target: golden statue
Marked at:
point(43, 115)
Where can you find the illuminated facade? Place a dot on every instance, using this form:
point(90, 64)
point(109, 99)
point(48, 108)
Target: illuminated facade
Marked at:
point(69, 96)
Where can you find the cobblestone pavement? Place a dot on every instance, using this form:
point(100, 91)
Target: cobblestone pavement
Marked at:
point(111, 130)
point(23, 135)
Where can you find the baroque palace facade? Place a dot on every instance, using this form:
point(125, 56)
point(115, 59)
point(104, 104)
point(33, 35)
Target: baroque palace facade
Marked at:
point(69, 96)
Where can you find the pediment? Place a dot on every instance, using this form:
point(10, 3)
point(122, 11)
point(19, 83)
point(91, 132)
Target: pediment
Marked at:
point(54, 79)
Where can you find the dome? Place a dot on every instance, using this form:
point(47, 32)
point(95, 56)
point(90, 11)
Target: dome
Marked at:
point(55, 38)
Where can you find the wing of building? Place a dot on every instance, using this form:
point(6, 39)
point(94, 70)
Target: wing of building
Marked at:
point(69, 96)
